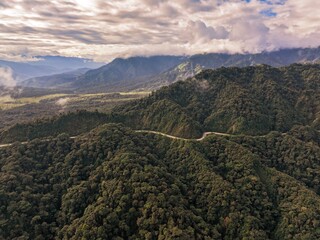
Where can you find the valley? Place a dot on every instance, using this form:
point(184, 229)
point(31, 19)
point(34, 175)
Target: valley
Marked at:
point(18, 109)
point(231, 153)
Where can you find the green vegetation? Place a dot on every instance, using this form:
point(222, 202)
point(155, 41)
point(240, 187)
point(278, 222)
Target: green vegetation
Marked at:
point(124, 74)
point(111, 182)
point(251, 101)
point(199, 62)
point(72, 123)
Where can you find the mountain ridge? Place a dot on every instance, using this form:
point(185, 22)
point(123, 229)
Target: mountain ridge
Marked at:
point(122, 71)
point(150, 73)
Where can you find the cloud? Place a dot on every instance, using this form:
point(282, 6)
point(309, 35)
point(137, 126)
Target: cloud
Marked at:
point(6, 77)
point(200, 32)
point(103, 30)
point(251, 33)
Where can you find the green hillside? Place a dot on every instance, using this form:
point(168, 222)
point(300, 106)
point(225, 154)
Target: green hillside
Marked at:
point(113, 183)
point(73, 123)
point(250, 100)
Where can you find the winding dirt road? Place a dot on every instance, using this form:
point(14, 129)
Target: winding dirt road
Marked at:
point(5, 145)
point(184, 139)
point(205, 134)
point(148, 131)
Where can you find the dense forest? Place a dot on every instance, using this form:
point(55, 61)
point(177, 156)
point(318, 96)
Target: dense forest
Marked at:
point(250, 100)
point(112, 182)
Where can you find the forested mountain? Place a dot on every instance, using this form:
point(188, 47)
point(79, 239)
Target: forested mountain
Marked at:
point(112, 182)
point(150, 73)
point(250, 100)
point(125, 73)
point(197, 63)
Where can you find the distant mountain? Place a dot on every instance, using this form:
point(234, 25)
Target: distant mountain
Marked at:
point(150, 73)
point(123, 73)
point(153, 72)
point(66, 63)
point(47, 65)
point(196, 63)
point(22, 71)
point(62, 80)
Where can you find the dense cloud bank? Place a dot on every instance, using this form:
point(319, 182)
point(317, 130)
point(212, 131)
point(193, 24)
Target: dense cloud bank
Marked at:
point(103, 30)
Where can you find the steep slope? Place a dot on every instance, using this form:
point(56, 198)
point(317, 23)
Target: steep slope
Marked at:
point(197, 63)
point(250, 100)
point(125, 73)
point(113, 183)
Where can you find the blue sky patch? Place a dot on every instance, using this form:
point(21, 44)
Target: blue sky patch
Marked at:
point(273, 2)
point(268, 13)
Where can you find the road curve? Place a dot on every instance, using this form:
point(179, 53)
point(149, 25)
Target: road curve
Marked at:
point(205, 134)
point(184, 139)
point(5, 145)
point(147, 131)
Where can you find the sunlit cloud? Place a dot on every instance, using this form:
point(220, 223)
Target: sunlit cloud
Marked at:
point(103, 30)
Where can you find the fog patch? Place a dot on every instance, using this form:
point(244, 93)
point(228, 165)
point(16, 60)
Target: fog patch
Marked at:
point(62, 102)
point(6, 77)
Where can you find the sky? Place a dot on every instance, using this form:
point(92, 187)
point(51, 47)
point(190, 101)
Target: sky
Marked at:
point(103, 30)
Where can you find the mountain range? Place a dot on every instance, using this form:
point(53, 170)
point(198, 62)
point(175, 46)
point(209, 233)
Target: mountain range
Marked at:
point(46, 65)
point(90, 175)
point(124, 73)
point(150, 73)
point(252, 100)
